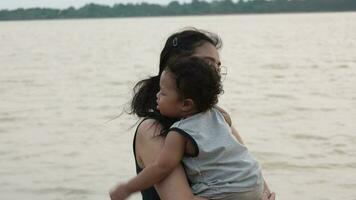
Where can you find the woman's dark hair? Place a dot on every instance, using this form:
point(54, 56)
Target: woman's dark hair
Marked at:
point(180, 44)
point(197, 80)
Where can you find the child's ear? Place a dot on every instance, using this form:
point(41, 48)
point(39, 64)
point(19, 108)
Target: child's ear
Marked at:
point(188, 105)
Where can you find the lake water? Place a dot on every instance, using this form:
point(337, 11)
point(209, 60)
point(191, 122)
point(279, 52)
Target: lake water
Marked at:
point(290, 90)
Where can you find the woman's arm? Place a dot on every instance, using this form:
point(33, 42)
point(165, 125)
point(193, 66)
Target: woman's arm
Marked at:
point(229, 121)
point(175, 186)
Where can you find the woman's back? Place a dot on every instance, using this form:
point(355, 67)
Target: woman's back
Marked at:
point(147, 145)
point(150, 193)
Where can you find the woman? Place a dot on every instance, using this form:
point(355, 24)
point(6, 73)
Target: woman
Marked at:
point(149, 136)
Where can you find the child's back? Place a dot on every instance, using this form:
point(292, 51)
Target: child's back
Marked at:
point(222, 167)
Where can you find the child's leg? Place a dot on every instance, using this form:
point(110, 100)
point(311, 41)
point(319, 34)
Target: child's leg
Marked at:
point(255, 194)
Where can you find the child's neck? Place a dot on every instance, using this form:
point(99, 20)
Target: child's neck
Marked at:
point(189, 113)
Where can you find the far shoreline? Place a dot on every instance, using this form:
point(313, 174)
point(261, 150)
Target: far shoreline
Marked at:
point(169, 16)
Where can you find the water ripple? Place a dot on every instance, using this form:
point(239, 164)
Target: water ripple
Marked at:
point(11, 119)
point(276, 66)
point(280, 96)
point(290, 166)
point(58, 190)
point(309, 137)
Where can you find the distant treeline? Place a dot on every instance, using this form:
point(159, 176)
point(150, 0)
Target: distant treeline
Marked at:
point(174, 8)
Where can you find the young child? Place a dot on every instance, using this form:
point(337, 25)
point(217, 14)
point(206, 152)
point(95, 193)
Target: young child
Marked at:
point(217, 165)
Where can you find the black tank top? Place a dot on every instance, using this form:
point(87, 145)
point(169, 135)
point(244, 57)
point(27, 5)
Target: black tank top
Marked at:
point(150, 193)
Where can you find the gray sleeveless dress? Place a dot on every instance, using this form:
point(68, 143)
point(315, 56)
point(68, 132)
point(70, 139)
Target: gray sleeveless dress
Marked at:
point(222, 167)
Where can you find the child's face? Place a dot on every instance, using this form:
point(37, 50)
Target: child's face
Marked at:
point(168, 100)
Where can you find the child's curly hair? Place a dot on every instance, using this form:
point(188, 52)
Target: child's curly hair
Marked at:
point(197, 80)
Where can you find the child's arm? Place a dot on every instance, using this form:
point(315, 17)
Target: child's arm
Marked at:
point(169, 157)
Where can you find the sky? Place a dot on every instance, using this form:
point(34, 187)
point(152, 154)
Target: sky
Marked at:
point(13, 4)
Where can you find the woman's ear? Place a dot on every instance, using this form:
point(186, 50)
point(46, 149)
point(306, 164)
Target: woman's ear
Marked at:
point(188, 105)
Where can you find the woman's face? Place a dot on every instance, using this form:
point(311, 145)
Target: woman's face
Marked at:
point(209, 53)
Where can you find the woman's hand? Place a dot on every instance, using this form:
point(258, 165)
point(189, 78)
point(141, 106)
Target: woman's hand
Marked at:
point(268, 196)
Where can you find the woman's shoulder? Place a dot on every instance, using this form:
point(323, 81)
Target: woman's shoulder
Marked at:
point(149, 128)
point(148, 141)
point(148, 134)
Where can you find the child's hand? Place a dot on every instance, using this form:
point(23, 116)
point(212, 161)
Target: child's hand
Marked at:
point(119, 193)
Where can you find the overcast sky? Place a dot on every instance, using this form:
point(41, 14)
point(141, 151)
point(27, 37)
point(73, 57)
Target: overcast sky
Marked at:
point(13, 4)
